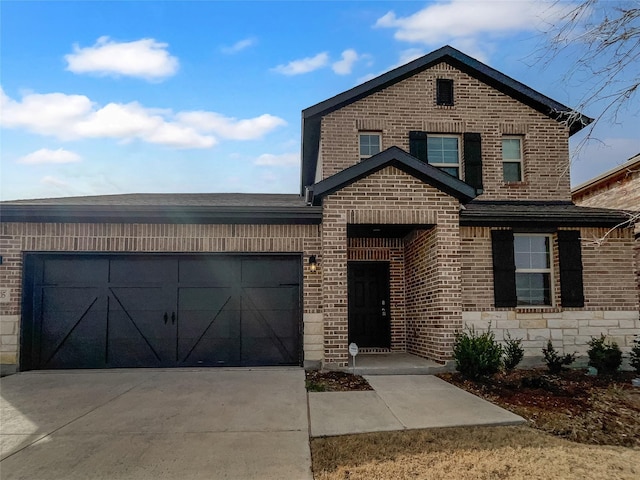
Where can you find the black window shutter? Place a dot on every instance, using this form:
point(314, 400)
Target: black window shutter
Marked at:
point(473, 160)
point(418, 145)
point(570, 256)
point(504, 268)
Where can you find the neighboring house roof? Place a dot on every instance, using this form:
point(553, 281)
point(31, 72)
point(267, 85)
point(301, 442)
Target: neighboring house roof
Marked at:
point(610, 176)
point(311, 117)
point(393, 156)
point(239, 208)
point(531, 214)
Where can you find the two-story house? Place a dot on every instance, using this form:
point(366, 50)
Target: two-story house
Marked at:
point(433, 196)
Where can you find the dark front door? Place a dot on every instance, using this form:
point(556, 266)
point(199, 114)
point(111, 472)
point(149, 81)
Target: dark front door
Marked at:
point(369, 316)
point(106, 311)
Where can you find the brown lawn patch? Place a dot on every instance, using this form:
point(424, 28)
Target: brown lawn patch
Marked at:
point(468, 453)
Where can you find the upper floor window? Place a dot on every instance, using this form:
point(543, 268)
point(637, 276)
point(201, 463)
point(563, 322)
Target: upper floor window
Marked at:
point(512, 159)
point(533, 269)
point(370, 144)
point(443, 151)
point(444, 91)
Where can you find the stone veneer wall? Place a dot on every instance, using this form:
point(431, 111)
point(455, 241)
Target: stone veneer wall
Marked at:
point(410, 105)
point(611, 299)
point(390, 196)
point(16, 238)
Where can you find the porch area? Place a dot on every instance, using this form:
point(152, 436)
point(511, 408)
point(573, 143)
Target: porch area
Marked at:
point(397, 363)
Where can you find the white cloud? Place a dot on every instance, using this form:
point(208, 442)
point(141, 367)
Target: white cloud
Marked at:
point(231, 128)
point(305, 65)
point(282, 160)
point(239, 46)
point(344, 66)
point(73, 117)
point(45, 155)
point(458, 21)
point(145, 58)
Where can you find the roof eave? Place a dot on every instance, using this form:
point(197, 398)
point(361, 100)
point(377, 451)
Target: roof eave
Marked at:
point(156, 214)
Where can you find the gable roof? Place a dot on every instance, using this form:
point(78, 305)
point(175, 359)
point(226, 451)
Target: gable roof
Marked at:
point(393, 156)
point(311, 117)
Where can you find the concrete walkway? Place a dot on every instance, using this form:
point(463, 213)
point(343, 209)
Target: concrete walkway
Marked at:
point(204, 423)
point(401, 402)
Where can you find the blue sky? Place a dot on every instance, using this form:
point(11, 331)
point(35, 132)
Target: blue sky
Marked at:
point(205, 96)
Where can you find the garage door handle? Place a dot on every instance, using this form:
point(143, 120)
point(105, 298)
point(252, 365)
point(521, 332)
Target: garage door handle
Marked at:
point(173, 318)
point(166, 318)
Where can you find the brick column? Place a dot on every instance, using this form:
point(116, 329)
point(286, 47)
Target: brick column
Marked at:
point(334, 287)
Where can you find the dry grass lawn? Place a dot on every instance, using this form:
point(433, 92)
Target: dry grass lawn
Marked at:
point(469, 453)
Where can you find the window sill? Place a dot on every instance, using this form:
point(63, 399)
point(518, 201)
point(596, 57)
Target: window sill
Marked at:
point(537, 309)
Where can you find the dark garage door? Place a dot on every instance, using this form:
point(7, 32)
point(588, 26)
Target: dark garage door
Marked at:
point(109, 311)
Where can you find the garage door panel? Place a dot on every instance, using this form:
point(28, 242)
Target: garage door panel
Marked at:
point(270, 271)
point(141, 270)
point(144, 316)
point(129, 346)
point(269, 328)
point(271, 298)
point(210, 339)
point(87, 271)
point(212, 271)
point(72, 336)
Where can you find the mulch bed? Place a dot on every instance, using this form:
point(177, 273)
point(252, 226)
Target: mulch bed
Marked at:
point(588, 409)
point(328, 381)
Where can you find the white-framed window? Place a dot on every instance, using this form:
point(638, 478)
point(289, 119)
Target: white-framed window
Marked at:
point(370, 144)
point(443, 151)
point(532, 255)
point(512, 159)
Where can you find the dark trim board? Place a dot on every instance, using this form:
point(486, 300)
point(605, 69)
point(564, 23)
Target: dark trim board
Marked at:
point(161, 310)
point(303, 215)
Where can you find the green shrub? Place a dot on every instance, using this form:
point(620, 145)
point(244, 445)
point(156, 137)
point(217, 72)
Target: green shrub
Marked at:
point(513, 352)
point(477, 354)
point(606, 357)
point(554, 360)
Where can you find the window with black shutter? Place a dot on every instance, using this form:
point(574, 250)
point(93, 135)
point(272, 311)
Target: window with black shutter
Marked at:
point(444, 91)
point(473, 160)
point(504, 268)
point(570, 258)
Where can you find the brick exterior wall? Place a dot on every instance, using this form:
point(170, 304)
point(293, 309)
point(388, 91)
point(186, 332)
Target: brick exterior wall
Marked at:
point(391, 196)
point(621, 191)
point(17, 238)
point(410, 105)
point(611, 301)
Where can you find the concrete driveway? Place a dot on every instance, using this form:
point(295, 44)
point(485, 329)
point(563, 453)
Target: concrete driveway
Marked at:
point(155, 424)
